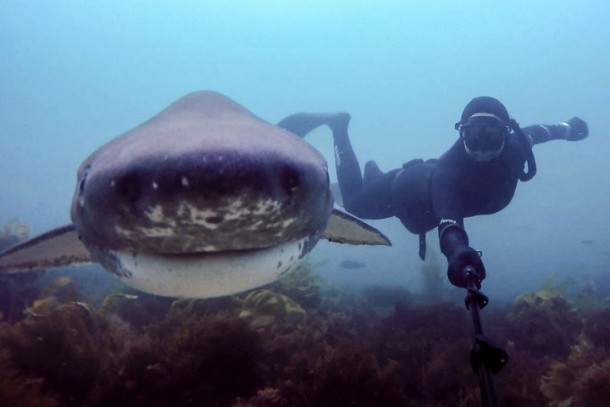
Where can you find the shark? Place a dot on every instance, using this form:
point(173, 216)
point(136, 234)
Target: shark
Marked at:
point(204, 199)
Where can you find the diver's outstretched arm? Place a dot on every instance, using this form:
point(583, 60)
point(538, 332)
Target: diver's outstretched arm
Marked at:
point(572, 130)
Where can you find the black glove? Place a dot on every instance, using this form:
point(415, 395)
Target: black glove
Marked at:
point(577, 129)
point(461, 258)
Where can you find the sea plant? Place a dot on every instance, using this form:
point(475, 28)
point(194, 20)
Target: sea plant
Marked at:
point(302, 285)
point(60, 343)
point(544, 322)
point(263, 308)
point(582, 380)
point(342, 375)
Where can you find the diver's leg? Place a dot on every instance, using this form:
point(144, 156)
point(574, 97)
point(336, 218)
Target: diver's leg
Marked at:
point(348, 168)
point(300, 124)
point(367, 199)
point(346, 162)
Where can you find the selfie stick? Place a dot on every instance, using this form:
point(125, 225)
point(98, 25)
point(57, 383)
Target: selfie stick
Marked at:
point(485, 358)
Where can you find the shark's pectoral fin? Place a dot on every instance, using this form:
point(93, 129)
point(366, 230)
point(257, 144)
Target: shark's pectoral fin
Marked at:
point(58, 247)
point(345, 228)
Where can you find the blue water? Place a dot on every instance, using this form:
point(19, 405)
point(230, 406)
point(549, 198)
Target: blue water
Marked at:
point(75, 74)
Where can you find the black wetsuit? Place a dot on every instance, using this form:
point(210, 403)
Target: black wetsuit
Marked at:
point(435, 193)
point(424, 193)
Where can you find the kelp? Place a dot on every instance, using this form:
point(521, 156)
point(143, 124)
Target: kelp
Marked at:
point(597, 329)
point(302, 285)
point(135, 349)
point(341, 375)
point(263, 308)
point(584, 378)
point(18, 390)
point(206, 360)
point(544, 322)
point(61, 343)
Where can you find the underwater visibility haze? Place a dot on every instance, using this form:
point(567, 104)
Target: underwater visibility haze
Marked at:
point(353, 325)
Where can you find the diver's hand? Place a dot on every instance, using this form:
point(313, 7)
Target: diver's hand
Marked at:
point(576, 129)
point(462, 258)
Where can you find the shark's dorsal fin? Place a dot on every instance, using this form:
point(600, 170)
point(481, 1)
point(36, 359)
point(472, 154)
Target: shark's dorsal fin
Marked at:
point(345, 228)
point(56, 248)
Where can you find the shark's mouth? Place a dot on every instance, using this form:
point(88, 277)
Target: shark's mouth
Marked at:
point(204, 275)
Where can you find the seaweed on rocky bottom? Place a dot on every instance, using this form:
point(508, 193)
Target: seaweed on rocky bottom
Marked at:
point(303, 285)
point(436, 339)
point(584, 378)
point(139, 309)
point(384, 299)
point(17, 390)
point(205, 360)
point(518, 384)
point(267, 397)
point(264, 308)
point(61, 345)
point(593, 388)
point(597, 328)
point(17, 291)
point(544, 323)
point(154, 351)
point(341, 375)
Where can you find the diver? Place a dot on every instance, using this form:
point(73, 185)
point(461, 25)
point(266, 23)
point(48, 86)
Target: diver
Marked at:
point(478, 175)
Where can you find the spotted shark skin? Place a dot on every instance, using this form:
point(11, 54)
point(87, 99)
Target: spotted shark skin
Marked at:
point(204, 199)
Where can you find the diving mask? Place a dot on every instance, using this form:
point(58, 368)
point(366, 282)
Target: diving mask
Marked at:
point(484, 136)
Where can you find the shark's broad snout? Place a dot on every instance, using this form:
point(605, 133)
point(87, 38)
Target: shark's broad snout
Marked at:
point(208, 202)
point(203, 199)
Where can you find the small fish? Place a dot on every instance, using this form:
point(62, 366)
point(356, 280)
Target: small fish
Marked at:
point(204, 199)
point(352, 264)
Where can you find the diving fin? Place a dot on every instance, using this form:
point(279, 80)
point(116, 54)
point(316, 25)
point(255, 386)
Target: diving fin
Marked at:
point(300, 124)
point(55, 248)
point(345, 228)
